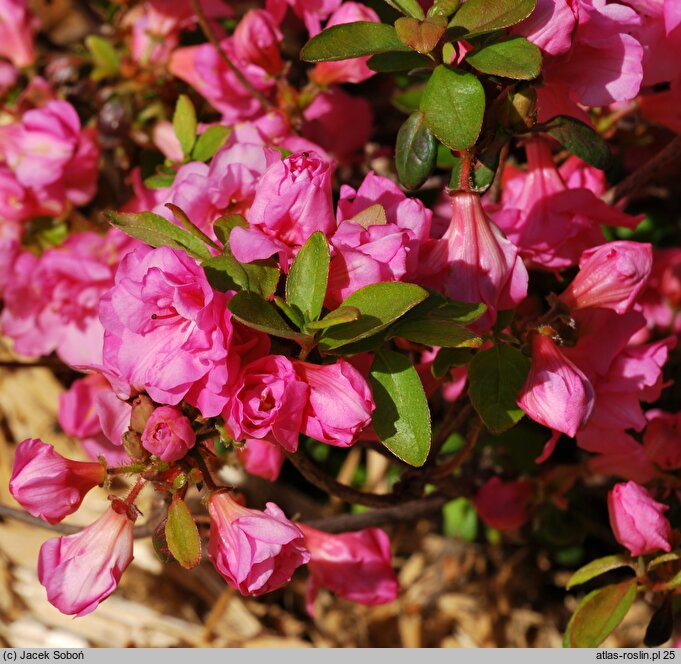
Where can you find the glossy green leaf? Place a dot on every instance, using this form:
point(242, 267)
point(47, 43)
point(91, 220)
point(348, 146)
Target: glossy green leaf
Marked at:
point(159, 181)
point(391, 62)
point(415, 152)
point(208, 143)
point(598, 614)
point(157, 232)
point(580, 139)
point(597, 567)
point(351, 40)
point(408, 7)
point(224, 225)
point(495, 378)
point(335, 317)
point(401, 419)
point(480, 16)
point(292, 314)
point(225, 273)
point(309, 276)
point(409, 100)
point(379, 305)
point(184, 123)
point(422, 36)
point(190, 226)
point(431, 332)
point(514, 57)
point(106, 60)
point(454, 105)
point(254, 312)
point(182, 535)
point(447, 358)
point(458, 312)
point(443, 7)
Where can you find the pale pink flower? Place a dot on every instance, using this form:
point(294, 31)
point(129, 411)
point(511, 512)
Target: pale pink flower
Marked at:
point(257, 39)
point(17, 29)
point(504, 505)
point(168, 434)
point(550, 26)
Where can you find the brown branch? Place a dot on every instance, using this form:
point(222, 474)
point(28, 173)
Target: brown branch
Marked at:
point(641, 176)
point(212, 38)
point(461, 456)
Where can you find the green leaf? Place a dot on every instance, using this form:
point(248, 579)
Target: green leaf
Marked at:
point(448, 358)
point(379, 305)
point(391, 62)
point(459, 519)
point(665, 571)
point(409, 100)
point(458, 312)
point(401, 419)
point(454, 105)
point(157, 232)
point(477, 17)
point(422, 36)
point(184, 123)
point(495, 378)
point(484, 167)
point(598, 614)
point(105, 58)
point(580, 139)
point(254, 312)
point(335, 317)
point(443, 7)
point(159, 181)
point(190, 226)
point(210, 142)
point(309, 276)
point(431, 332)
point(661, 625)
point(351, 40)
point(182, 535)
point(415, 152)
point(514, 57)
point(225, 273)
point(597, 567)
point(408, 8)
point(292, 314)
point(224, 225)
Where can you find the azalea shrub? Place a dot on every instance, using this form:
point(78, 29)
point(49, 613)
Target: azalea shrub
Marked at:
point(263, 233)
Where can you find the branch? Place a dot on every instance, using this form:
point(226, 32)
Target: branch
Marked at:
point(461, 456)
point(641, 176)
point(212, 38)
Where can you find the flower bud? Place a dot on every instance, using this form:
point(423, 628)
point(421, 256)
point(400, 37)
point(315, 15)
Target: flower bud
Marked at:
point(142, 408)
point(168, 434)
point(262, 458)
point(257, 40)
point(637, 520)
point(518, 110)
point(610, 276)
point(49, 486)
point(132, 444)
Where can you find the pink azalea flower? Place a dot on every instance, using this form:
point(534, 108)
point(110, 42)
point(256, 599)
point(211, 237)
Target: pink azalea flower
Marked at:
point(638, 520)
point(49, 486)
point(356, 566)
point(661, 300)
point(262, 458)
point(17, 28)
point(80, 571)
point(313, 12)
point(268, 401)
point(340, 403)
point(504, 505)
point(617, 454)
point(550, 26)
point(661, 439)
point(257, 39)
point(255, 552)
point(168, 434)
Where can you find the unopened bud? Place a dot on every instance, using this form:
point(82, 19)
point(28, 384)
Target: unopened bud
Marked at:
point(180, 481)
point(142, 408)
point(518, 110)
point(132, 444)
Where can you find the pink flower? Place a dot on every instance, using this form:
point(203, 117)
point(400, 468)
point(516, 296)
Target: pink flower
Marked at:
point(262, 458)
point(662, 439)
point(17, 27)
point(255, 552)
point(257, 39)
point(504, 505)
point(661, 300)
point(311, 11)
point(556, 393)
point(49, 486)
point(292, 201)
point(168, 332)
point(550, 26)
point(80, 571)
point(354, 70)
point(268, 401)
point(637, 520)
point(617, 454)
point(166, 141)
point(340, 403)
point(52, 301)
point(474, 262)
point(356, 566)
point(168, 434)
point(610, 276)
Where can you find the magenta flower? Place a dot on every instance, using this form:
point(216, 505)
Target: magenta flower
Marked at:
point(556, 393)
point(504, 505)
point(550, 26)
point(168, 434)
point(80, 571)
point(662, 439)
point(340, 403)
point(356, 566)
point(255, 552)
point(638, 520)
point(268, 401)
point(257, 39)
point(17, 27)
point(610, 276)
point(262, 458)
point(49, 486)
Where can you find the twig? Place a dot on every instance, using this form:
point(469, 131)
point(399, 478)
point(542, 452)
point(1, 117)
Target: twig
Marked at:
point(494, 192)
point(212, 38)
point(645, 173)
point(450, 424)
point(458, 459)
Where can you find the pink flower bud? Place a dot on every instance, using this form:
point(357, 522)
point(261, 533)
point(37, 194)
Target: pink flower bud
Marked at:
point(556, 393)
point(662, 440)
point(340, 403)
point(79, 571)
point(49, 486)
point(504, 505)
point(262, 458)
point(356, 566)
point(255, 552)
point(257, 40)
point(637, 519)
point(611, 276)
point(168, 434)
